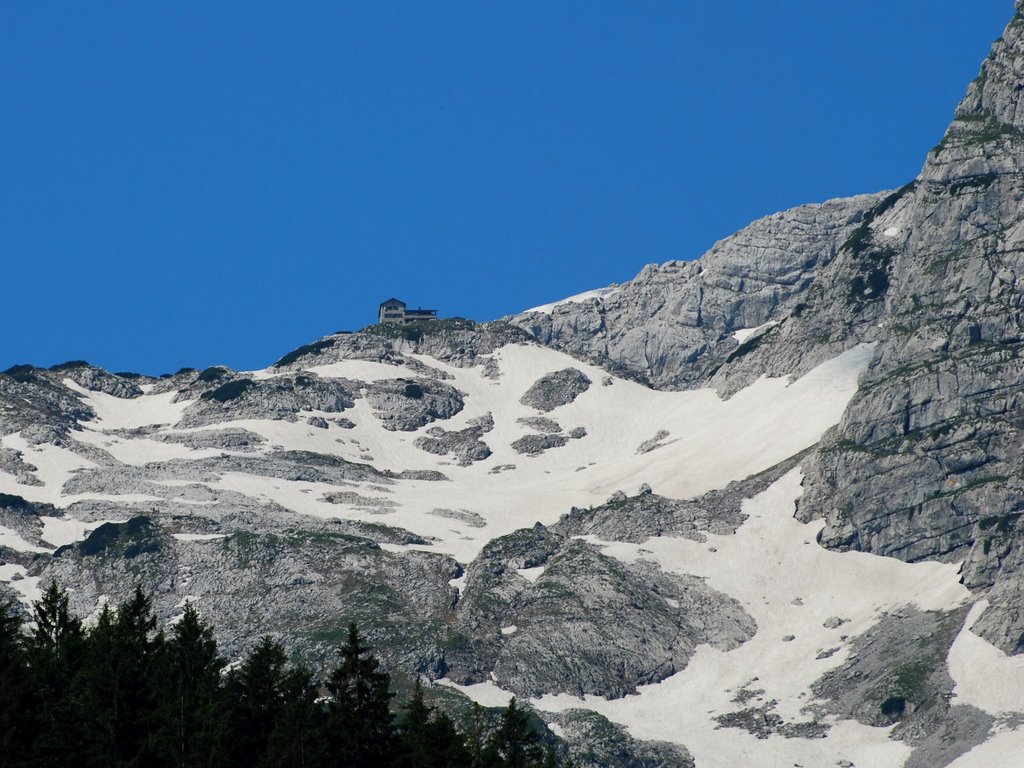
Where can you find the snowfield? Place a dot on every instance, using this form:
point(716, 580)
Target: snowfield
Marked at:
point(681, 444)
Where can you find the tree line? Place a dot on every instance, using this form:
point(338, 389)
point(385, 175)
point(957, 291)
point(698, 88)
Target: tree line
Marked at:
point(122, 693)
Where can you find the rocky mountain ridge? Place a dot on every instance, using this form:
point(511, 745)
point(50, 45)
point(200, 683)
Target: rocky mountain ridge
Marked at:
point(765, 503)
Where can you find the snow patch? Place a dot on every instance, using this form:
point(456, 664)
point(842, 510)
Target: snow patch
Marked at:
point(985, 677)
point(531, 574)
point(781, 562)
point(743, 334)
point(597, 293)
point(198, 536)
point(27, 587)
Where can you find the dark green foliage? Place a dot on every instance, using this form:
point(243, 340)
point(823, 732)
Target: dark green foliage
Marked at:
point(213, 373)
point(188, 680)
point(131, 539)
point(120, 694)
point(23, 374)
point(16, 691)
point(894, 707)
point(306, 349)
point(359, 714)
point(517, 744)
point(229, 391)
point(13, 501)
point(69, 365)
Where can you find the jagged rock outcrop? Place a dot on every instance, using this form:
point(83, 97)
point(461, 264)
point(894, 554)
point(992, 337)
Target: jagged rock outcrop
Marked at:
point(546, 613)
point(928, 459)
point(555, 389)
point(281, 397)
point(465, 444)
point(408, 405)
point(672, 325)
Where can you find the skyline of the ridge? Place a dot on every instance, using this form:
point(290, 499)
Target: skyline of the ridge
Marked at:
point(192, 186)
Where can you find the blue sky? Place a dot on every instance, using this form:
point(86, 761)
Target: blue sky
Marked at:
point(201, 183)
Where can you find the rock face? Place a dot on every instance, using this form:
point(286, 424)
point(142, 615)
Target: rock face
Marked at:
point(672, 325)
point(546, 613)
point(265, 523)
point(927, 461)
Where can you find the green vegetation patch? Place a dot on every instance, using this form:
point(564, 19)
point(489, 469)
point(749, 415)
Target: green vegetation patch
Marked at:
point(314, 348)
point(230, 391)
point(136, 537)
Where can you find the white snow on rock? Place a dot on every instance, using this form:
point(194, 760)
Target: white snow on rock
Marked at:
point(1003, 749)
point(61, 531)
point(743, 334)
point(780, 561)
point(985, 676)
point(597, 293)
point(198, 536)
point(13, 540)
point(27, 587)
point(717, 441)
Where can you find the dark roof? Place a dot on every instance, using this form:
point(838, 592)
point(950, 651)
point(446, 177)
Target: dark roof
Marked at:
point(393, 300)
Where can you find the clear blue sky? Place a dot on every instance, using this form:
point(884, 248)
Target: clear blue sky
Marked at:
point(199, 183)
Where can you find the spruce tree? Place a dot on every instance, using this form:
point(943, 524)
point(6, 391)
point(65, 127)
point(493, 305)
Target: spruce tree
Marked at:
point(516, 744)
point(254, 699)
point(15, 691)
point(117, 685)
point(298, 737)
point(188, 681)
point(359, 723)
point(56, 650)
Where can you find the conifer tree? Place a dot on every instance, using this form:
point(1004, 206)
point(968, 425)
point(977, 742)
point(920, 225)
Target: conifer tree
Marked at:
point(15, 691)
point(117, 684)
point(516, 744)
point(254, 698)
point(298, 737)
point(188, 681)
point(359, 713)
point(55, 653)
point(427, 740)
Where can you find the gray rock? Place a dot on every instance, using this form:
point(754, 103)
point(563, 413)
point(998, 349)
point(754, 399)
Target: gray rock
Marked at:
point(472, 519)
point(596, 742)
point(555, 389)
point(229, 439)
point(587, 624)
point(540, 424)
point(279, 398)
point(653, 442)
point(408, 405)
point(465, 444)
point(535, 445)
point(896, 674)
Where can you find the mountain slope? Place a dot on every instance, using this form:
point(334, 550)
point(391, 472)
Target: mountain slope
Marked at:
point(762, 506)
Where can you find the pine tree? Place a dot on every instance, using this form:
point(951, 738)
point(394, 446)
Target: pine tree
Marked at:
point(15, 691)
point(359, 719)
point(117, 685)
point(516, 743)
point(429, 741)
point(254, 699)
point(56, 651)
point(188, 681)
